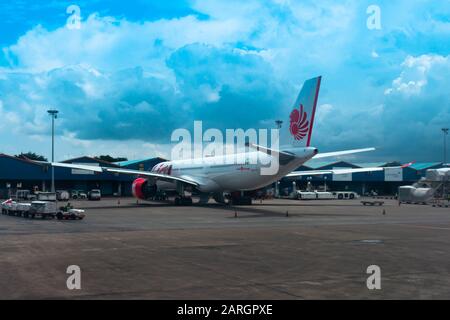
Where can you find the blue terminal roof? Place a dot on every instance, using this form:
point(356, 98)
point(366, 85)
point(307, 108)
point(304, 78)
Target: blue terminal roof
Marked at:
point(322, 164)
point(425, 165)
point(131, 162)
point(87, 159)
point(371, 164)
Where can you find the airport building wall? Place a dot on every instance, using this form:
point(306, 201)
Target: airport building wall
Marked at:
point(28, 175)
point(382, 182)
point(19, 174)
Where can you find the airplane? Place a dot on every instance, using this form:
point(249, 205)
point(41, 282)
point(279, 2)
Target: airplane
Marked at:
point(216, 177)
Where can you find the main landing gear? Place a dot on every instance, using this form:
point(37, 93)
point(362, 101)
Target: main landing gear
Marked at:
point(238, 198)
point(183, 201)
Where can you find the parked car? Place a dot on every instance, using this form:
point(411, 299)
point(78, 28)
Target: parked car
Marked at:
point(94, 194)
point(78, 194)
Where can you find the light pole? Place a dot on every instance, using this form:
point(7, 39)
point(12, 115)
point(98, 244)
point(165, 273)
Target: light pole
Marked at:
point(445, 131)
point(54, 114)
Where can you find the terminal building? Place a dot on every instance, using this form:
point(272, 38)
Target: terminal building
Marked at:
point(385, 182)
point(21, 174)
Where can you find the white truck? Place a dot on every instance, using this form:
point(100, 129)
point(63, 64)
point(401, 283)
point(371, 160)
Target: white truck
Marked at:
point(41, 209)
point(318, 195)
point(305, 195)
point(345, 195)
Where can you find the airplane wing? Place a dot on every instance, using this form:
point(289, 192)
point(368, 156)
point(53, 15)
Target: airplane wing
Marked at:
point(159, 176)
point(332, 171)
point(341, 153)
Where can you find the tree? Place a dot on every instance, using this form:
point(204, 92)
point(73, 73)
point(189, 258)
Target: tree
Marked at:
point(31, 156)
point(108, 158)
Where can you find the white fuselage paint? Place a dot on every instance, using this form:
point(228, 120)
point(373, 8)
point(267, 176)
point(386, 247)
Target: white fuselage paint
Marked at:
point(224, 174)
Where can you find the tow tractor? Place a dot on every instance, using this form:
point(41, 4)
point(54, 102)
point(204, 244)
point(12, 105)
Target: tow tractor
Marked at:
point(68, 212)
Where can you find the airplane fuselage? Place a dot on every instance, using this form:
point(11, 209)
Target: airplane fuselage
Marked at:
point(236, 172)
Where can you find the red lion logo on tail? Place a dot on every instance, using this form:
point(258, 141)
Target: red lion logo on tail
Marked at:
point(299, 123)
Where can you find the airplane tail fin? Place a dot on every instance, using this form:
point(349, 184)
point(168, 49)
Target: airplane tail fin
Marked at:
point(297, 128)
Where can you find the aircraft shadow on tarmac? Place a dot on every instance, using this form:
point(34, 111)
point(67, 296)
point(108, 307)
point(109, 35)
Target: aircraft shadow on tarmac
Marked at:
point(254, 211)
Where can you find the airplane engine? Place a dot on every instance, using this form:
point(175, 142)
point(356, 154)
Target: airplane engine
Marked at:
point(143, 189)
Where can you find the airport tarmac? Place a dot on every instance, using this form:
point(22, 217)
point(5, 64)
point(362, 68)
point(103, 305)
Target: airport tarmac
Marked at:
point(277, 249)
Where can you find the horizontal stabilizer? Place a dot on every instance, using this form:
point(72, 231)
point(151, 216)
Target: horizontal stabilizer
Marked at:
point(341, 153)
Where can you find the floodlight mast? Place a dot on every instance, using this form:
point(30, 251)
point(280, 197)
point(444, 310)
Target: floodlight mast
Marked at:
point(54, 114)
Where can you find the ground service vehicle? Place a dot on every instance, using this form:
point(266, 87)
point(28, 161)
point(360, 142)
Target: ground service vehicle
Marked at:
point(41, 209)
point(94, 194)
point(78, 194)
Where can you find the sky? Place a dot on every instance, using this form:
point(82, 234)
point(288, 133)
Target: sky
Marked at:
point(135, 71)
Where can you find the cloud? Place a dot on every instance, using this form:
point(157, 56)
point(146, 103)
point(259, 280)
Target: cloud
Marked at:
point(403, 123)
point(416, 71)
point(131, 104)
point(234, 64)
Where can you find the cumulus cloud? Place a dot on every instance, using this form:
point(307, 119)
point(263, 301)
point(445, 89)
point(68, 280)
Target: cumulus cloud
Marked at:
point(131, 104)
point(231, 64)
point(416, 71)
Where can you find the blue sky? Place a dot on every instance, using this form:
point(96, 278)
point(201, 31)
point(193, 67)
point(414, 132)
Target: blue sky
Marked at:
point(137, 70)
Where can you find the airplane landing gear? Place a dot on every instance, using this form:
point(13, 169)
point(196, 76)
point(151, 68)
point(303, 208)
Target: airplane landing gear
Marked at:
point(238, 198)
point(183, 201)
point(220, 198)
point(243, 201)
point(204, 199)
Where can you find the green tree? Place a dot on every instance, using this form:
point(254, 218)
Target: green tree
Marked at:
point(31, 156)
point(108, 158)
